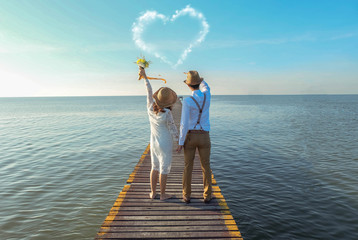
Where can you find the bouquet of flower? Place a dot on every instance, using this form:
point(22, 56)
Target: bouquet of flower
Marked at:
point(142, 63)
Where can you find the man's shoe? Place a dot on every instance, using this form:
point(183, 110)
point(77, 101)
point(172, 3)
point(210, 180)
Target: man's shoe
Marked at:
point(207, 200)
point(186, 200)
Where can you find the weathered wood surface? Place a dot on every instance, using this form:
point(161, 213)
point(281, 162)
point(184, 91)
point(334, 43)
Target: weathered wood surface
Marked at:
point(135, 216)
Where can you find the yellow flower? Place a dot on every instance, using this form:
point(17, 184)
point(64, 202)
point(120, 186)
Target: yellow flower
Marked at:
point(142, 62)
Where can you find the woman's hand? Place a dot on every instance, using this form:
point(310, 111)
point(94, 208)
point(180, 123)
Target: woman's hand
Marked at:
point(142, 73)
point(179, 148)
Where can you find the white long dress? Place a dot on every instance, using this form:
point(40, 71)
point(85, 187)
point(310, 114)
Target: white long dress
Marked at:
point(163, 130)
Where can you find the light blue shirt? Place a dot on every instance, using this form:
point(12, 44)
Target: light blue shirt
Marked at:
point(190, 112)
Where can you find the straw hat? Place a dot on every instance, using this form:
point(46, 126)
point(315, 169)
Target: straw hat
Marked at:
point(165, 97)
point(193, 78)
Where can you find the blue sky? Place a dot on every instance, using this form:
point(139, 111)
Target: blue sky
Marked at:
point(86, 48)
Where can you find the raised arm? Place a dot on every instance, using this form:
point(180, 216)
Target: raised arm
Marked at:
point(149, 93)
point(148, 87)
point(205, 87)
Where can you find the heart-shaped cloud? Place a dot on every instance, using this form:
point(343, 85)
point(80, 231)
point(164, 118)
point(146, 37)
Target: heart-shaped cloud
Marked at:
point(150, 16)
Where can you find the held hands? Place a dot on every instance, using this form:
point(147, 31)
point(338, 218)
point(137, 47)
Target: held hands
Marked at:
point(180, 147)
point(142, 73)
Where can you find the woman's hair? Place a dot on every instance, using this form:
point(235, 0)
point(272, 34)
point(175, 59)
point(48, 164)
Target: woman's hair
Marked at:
point(158, 109)
point(196, 86)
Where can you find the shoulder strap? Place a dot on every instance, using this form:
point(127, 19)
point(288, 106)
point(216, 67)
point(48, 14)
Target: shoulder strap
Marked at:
point(196, 102)
point(200, 110)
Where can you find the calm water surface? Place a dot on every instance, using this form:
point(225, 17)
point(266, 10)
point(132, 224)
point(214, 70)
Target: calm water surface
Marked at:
point(287, 165)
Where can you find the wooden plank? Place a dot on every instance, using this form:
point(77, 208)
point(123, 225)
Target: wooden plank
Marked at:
point(143, 180)
point(168, 235)
point(135, 216)
point(172, 200)
point(143, 196)
point(173, 218)
point(189, 207)
point(174, 188)
point(170, 191)
point(186, 228)
point(165, 213)
point(169, 223)
point(163, 204)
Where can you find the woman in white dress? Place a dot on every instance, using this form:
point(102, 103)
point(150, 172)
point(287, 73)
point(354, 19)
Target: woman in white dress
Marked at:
point(163, 130)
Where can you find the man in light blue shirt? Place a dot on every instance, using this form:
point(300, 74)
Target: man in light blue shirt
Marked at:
point(194, 134)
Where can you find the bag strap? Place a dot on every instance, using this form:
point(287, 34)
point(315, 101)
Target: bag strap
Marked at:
point(200, 110)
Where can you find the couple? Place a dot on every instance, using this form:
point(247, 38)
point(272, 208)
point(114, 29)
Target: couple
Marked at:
point(194, 134)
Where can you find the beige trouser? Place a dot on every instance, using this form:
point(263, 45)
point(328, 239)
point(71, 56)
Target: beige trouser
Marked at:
point(200, 141)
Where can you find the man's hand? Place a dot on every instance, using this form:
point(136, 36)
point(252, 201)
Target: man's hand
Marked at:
point(180, 147)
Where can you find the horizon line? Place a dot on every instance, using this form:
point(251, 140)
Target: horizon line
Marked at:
point(298, 94)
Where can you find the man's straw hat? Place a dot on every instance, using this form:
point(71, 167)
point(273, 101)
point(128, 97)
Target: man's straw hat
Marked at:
point(165, 97)
point(193, 78)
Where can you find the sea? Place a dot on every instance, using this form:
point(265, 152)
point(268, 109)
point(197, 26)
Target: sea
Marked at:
point(287, 165)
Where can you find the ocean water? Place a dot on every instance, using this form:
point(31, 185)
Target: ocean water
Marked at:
point(287, 165)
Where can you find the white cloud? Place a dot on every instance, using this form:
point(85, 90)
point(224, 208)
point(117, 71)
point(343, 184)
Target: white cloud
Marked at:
point(343, 36)
point(308, 37)
point(15, 44)
point(268, 41)
point(149, 16)
point(25, 48)
point(108, 47)
point(11, 44)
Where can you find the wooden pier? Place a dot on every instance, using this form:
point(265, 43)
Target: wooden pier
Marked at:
point(135, 216)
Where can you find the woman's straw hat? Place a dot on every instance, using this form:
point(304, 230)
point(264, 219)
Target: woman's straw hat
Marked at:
point(165, 97)
point(193, 78)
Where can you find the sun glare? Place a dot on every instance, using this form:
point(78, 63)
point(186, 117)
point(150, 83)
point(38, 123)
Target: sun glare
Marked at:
point(16, 85)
